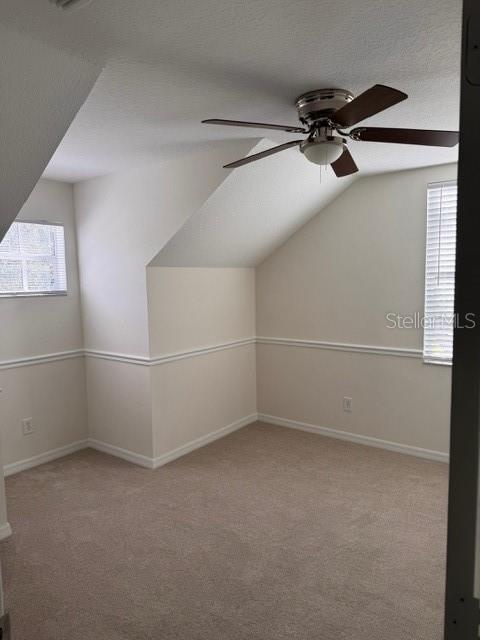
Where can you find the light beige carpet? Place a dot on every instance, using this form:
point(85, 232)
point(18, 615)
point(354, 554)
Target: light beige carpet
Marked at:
point(267, 534)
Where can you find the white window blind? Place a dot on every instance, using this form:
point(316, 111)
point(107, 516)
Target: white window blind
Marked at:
point(32, 260)
point(440, 272)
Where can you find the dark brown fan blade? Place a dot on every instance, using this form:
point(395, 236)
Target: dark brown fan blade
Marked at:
point(262, 154)
point(345, 165)
point(368, 103)
point(256, 125)
point(406, 136)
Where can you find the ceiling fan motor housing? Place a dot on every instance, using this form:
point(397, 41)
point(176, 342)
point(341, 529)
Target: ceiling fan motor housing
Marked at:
point(319, 105)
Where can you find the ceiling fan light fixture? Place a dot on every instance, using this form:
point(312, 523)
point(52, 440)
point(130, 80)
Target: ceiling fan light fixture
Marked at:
point(322, 152)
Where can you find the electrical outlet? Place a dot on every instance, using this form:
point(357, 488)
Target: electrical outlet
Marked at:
point(27, 426)
point(347, 404)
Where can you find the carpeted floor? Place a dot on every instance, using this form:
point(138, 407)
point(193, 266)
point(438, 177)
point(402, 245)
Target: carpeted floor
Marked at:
point(267, 534)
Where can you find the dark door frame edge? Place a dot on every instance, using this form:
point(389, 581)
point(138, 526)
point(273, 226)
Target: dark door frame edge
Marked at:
point(461, 606)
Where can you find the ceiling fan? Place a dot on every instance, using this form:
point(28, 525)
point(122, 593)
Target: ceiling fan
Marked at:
point(325, 111)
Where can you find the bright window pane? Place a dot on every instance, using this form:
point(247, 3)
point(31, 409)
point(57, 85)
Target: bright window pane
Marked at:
point(40, 275)
point(440, 272)
point(32, 260)
point(9, 243)
point(37, 239)
point(11, 275)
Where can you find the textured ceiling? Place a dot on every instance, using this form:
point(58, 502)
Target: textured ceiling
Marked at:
point(169, 64)
point(42, 89)
point(253, 211)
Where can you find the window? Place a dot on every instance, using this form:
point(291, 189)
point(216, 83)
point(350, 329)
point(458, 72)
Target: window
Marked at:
point(440, 272)
point(32, 260)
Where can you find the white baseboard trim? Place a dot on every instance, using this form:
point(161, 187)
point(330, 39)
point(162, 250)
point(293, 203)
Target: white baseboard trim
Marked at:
point(203, 440)
point(42, 458)
point(356, 438)
point(5, 531)
point(155, 463)
point(125, 454)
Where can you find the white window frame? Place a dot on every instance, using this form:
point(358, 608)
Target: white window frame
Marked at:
point(448, 314)
point(37, 294)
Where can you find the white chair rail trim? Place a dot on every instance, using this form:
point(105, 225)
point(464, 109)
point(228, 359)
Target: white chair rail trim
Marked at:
point(199, 351)
point(342, 346)
point(41, 359)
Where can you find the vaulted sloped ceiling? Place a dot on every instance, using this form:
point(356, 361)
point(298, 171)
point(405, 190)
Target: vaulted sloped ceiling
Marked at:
point(42, 89)
point(254, 210)
point(170, 64)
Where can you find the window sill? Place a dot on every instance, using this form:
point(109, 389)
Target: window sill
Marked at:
point(38, 294)
point(443, 363)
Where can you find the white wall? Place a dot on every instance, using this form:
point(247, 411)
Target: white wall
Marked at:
point(40, 325)
point(123, 221)
point(255, 209)
point(120, 405)
point(190, 307)
point(195, 397)
point(334, 281)
point(395, 399)
point(199, 394)
point(52, 394)
point(42, 90)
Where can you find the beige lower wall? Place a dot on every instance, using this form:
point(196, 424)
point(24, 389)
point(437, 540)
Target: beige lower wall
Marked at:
point(196, 396)
point(125, 405)
point(53, 395)
point(119, 405)
point(154, 410)
point(398, 399)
